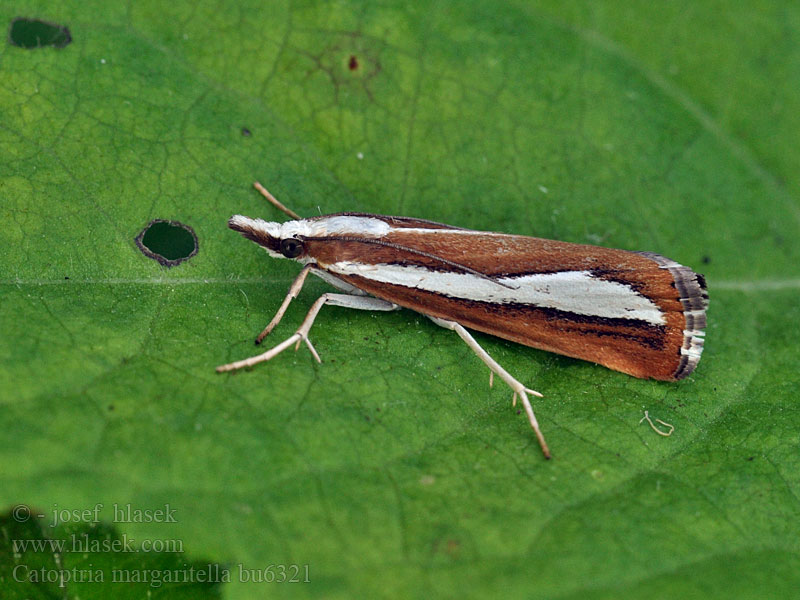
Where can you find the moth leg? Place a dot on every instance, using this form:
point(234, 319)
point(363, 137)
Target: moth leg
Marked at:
point(517, 387)
point(345, 300)
point(294, 290)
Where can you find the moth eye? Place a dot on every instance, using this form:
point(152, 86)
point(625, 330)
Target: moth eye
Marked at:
point(291, 247)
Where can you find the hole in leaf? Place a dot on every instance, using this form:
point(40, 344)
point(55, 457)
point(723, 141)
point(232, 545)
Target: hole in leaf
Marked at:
point(35, 33)
point(168, 242)
point(246, 132)
point(353, 63)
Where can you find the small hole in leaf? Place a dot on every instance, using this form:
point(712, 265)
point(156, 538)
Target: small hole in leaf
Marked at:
point(246, 132)
point(353, 63)
point(35, 33)
point(168, 242)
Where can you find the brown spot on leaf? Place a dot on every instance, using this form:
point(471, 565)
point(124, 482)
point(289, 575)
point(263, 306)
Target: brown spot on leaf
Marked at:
point(453, 547)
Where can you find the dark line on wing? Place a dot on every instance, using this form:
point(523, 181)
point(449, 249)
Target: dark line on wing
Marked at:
point(615, 276)
point(612, 275)
point(439, 259)
point(647, 334)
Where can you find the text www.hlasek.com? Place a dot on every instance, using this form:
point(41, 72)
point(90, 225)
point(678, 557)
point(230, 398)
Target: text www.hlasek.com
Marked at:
point(82, 543)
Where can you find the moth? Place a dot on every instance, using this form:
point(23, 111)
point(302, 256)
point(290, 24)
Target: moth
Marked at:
point(635, 312)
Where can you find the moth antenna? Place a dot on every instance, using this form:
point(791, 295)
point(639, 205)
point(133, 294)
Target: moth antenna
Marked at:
point(274, 201)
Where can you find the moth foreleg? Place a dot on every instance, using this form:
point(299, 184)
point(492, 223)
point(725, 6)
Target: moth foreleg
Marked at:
point(518, 388)
point(357, 302)
point(294, 290)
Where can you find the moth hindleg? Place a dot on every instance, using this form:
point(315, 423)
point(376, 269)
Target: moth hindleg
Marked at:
point(518, 388)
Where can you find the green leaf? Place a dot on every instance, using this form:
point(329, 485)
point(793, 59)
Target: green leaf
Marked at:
point(392, 469)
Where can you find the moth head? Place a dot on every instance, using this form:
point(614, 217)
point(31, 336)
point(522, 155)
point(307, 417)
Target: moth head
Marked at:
point(288, 240)
point(281, 240)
